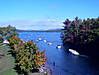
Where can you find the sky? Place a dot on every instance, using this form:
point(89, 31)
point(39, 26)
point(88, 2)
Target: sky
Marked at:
point(45, 14)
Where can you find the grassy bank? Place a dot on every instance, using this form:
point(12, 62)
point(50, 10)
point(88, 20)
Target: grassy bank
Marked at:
point(6, 62)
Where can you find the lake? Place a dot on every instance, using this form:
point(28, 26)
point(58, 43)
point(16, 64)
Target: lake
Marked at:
point(60, 60)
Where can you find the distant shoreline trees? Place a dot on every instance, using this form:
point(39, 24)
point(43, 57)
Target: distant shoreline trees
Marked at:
point(6, 32)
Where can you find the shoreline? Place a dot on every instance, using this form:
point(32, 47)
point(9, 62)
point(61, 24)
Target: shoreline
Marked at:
point(56, 30)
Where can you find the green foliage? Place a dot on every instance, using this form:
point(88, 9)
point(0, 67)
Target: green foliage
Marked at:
point(26, 54)
point(81, 31)
point(8, 31)
point(14, 41)
point(1, 39)
point(31, 47)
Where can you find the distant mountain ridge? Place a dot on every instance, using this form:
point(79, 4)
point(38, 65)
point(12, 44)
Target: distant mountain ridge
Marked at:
point(50, 30)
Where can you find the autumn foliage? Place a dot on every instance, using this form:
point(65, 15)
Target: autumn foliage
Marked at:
point(27, 55)
point(81, 31)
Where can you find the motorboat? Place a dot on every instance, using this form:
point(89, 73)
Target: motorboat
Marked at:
point(73, 52)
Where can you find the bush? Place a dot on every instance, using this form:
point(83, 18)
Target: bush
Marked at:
point(1, 39)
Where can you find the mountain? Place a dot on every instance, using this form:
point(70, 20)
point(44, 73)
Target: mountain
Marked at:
point(48, 24)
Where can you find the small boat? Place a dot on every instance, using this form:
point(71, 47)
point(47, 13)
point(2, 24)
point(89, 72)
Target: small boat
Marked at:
point(45, 40)
point(39, 39)
point(58, 46)
point(73, 52)
point(49, 43)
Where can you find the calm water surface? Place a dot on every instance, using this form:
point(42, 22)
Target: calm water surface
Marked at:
point(64, 63)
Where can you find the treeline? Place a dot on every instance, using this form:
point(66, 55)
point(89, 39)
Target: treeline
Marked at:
point(27, 56)
point(81, 31)
point(6, 32)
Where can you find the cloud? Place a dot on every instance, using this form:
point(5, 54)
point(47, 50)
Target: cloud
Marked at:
point(35, 25)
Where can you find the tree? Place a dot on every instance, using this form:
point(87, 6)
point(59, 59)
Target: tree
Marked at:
point(1, 39)
point(39, 59)
point(8, 31)
point(82, 31)
point(27, 56)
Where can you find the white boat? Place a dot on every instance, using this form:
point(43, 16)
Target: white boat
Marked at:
point(49, 43)
point(73, 52)
point(58, 46)
point(45, 40)
point(39, 39)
